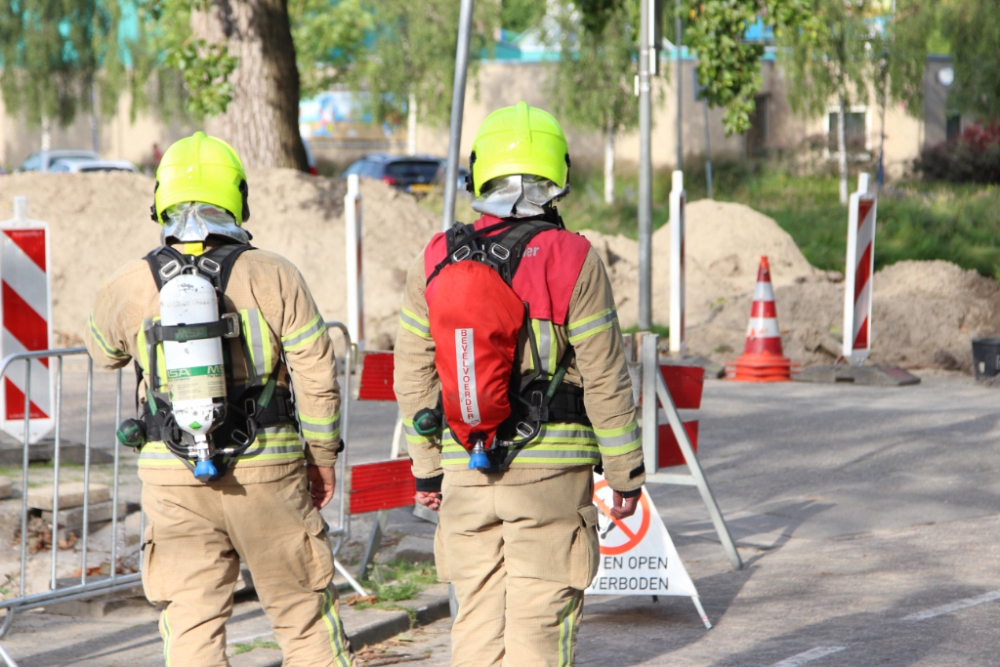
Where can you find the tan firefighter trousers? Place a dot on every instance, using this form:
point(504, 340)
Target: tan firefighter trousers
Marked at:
point(195, 537)
point(519, 557)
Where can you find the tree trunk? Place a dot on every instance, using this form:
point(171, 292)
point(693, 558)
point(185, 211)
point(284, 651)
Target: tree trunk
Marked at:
point(609, 163)
point(842, 145)
point(262, 121)
point(411, 124)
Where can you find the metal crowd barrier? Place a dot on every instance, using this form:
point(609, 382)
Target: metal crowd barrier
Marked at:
point(88, 586)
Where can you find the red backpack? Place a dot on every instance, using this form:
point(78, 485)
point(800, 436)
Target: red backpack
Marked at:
point(477, 322)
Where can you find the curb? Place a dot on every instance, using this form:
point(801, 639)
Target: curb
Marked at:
point(393, 624)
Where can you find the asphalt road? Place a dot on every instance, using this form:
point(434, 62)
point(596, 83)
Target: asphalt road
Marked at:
point(868, 519)
point(869, 522)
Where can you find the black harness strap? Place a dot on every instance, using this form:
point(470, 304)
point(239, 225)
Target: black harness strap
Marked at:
point(257, 406)
point(501, 246)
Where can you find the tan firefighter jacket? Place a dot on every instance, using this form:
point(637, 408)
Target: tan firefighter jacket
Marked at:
point(599, 367)
point(284, 333)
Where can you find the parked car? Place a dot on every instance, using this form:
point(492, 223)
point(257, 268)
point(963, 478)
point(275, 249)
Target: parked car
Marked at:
point(84, 166)
point(45, 160)
point(416, 174)
point(463, 174)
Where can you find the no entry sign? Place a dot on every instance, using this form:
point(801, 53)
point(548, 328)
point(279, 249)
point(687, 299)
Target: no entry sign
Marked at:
point(637, 555)
point(25, 321)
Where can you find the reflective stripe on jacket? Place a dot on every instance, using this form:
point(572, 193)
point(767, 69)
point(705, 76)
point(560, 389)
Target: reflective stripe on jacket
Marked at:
point(279, 321)
point(591, 326)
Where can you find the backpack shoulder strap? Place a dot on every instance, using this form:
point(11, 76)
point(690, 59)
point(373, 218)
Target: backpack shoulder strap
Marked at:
point(512, 243)
point(159, 259)
point(216, 264)
point(224, 256)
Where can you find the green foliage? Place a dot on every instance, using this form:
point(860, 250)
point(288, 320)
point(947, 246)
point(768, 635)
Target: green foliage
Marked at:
point(246, 647)
point(519, 15)
point(206, 69)
point(902, 52)
point(412, 51)
point(400, 580)
point(55, 52)
point(728, 66)
point(592, 84)
point(973, 31)
point(916, 220)
point(830, 61)
point(329, 37)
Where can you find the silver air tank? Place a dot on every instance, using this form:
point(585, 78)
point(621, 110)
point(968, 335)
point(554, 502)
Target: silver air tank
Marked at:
point(196, 376)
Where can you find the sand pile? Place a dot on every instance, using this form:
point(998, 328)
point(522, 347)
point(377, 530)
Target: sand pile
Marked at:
point(100, 221)
point(925, 313)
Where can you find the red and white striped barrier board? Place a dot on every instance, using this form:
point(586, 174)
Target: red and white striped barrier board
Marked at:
point(859, 270)
point(678, 199)
point(25, 321)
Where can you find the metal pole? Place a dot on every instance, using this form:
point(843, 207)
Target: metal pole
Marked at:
point(708, 149)
point(645, 175)
point(680, 97)
point(684, 442)
point(457, 107)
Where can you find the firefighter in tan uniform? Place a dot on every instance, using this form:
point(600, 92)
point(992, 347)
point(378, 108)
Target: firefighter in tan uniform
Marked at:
point(272, 463)
point(520, 545)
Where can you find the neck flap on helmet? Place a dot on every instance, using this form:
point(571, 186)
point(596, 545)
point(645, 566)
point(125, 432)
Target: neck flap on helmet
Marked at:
point(190, 222)
point(518, 196)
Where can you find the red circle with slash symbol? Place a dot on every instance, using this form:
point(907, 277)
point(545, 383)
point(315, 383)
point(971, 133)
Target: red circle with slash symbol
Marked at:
point(633, 533)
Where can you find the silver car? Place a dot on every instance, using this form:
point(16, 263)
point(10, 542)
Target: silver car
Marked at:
point(76, 166)
point(44, 161)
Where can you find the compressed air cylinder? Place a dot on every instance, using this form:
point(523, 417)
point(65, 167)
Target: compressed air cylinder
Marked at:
point(196, 376)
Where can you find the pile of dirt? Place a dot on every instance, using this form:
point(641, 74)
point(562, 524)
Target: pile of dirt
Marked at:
point(100, 221)
point(925, 313)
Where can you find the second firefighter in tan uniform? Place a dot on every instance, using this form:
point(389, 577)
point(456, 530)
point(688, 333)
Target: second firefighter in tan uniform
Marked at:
point(264, 509)
point(521, 546)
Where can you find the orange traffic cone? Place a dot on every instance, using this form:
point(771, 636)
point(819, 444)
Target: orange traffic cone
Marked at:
point(762, 359)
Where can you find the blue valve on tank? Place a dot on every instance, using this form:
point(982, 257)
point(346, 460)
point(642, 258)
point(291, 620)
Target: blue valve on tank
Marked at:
point(204, 471)
point(478, 459)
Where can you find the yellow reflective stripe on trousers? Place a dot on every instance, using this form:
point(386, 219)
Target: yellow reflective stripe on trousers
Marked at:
point(545, 338)
point(320, 429)
point(588, 326)
point(167, 636)
point(335, 629)
point(257, 336)
point(409, 321)
point(305, 335)
point(567, 629)
point(109, 350)
point(617, 441)
point(556, 444)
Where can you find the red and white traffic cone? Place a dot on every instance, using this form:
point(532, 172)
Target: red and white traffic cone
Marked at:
point(762, 359)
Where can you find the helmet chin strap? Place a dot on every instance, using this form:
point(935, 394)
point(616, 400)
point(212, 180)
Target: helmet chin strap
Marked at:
point(518, 196)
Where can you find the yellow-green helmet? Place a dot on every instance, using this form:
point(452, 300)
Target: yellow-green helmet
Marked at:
point(519, 140)
point(204, 169)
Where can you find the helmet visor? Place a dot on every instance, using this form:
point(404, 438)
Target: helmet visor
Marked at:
point(190, 222)
point(518, 196)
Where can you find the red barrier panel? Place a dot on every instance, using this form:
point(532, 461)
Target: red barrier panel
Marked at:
point(670, 451)
point(376, 377)
point(684, 384)
point(382, 485)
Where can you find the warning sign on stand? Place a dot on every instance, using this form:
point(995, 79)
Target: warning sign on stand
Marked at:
point(637, 555)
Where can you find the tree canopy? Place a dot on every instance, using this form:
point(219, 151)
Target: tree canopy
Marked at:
point(56, 53)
